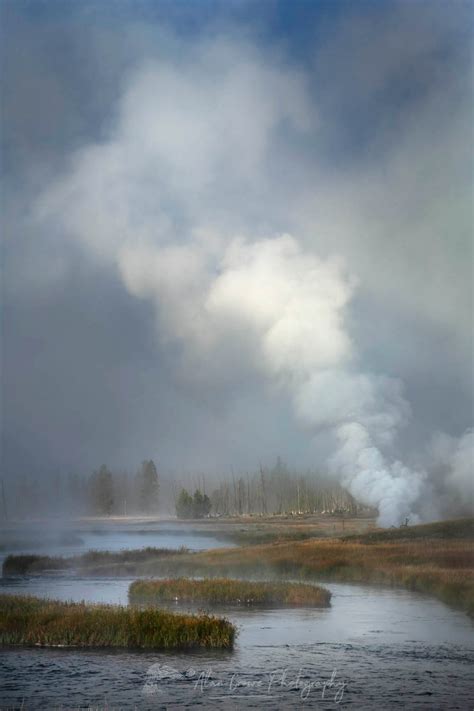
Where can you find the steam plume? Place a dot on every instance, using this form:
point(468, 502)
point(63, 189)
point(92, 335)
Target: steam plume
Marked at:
point(156, 201)
point(284, 311)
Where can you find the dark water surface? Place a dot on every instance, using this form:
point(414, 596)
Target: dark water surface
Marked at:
point(373, 649)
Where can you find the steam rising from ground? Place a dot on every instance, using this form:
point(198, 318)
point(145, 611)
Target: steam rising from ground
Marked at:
point(283, 311)
point(181, 200)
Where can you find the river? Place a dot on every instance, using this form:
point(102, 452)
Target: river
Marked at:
point(374, 648)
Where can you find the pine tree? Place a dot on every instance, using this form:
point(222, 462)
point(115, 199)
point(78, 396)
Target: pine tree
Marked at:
point(201, 504)
point(149, 487)
point(184, 505)
point(102, 492)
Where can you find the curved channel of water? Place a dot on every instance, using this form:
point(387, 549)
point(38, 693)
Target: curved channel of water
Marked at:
point(374, 648)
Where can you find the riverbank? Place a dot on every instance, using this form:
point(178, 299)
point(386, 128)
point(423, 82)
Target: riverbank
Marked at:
point(34, 622)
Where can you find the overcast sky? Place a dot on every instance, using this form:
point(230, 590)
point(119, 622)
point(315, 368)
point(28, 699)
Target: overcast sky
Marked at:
point(227, 225)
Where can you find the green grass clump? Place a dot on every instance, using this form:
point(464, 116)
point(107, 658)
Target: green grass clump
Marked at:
point(226, 591)
point(30, 621)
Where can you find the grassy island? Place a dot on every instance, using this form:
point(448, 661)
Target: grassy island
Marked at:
point(226, 591)
point(30, 621)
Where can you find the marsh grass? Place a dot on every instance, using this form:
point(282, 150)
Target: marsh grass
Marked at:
point(226, 591)
point(30, 621)
point(92, 561)
point(446, 573)
point(436, 558)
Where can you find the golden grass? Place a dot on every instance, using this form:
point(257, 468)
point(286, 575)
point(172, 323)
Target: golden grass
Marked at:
point(30, 621)
point(229, 592)
point(435, 558)
point(418, 560)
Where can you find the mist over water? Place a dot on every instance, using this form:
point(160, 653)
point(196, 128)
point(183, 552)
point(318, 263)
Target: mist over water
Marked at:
point(61, 538)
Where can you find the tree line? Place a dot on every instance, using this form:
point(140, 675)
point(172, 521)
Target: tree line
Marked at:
point(268, 490)
point(101, 493)
point(278, 490)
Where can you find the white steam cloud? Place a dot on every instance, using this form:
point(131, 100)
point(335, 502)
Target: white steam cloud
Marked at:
point(188, 167)
point(283, 310)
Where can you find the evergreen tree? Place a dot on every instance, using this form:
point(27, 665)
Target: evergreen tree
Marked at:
point(149, 487)
point(201, 504)
point(102, 491)
point(184, 505)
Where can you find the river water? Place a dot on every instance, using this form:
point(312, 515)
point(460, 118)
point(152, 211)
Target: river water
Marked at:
point(61, 539)
point(374, 648)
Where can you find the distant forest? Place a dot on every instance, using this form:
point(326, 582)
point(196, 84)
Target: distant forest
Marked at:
point(270, 490)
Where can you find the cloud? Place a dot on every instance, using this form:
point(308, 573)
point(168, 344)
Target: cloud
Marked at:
point(398, 114)
point(189, 140)
point(298, 232)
